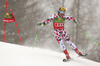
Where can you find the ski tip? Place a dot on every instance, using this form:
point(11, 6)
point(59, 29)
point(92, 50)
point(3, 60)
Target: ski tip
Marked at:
point(66, 60)
point(85, 55)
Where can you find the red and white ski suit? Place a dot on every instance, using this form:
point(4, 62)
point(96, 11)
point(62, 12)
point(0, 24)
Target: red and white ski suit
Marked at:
point(59, 32)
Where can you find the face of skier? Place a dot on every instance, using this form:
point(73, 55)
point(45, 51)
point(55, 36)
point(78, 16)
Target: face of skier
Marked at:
point(61, 13)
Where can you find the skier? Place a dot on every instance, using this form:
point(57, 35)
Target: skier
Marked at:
point(59, 32)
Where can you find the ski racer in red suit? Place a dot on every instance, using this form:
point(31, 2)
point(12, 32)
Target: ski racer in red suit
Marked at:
point(59, 32)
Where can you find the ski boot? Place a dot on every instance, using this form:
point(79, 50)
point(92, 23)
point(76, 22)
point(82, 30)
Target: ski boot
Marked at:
point(79, 53)
point(67, 56)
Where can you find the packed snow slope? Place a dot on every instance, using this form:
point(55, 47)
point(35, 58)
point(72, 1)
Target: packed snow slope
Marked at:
point(15, 55)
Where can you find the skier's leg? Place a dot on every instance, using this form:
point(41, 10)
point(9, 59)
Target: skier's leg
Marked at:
point(71, 44)
point(62, 46)
point(74, 47)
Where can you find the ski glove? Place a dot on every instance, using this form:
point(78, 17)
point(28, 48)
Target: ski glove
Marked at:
point(40, 24)
point(76, 21)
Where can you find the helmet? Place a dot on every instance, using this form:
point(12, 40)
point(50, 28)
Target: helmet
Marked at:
point(62, 10)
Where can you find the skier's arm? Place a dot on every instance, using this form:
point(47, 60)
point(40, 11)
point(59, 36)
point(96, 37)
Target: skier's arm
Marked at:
point(51, 18)
point(47, 21)
point(71, 18)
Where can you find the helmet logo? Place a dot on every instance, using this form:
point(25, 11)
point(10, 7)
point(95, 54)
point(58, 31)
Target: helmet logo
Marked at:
point(62, 9)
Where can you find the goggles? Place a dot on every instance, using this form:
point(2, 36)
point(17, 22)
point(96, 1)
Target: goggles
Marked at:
point(62, 12)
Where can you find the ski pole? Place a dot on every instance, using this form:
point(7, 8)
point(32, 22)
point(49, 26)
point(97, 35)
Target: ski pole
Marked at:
point(36, 36)
point(87, 34)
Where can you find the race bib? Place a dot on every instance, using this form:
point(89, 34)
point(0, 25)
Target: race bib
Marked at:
point(59, 20)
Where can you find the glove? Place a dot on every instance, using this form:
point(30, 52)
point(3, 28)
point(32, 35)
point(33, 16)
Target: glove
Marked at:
point(75, 21)
point(40, 24)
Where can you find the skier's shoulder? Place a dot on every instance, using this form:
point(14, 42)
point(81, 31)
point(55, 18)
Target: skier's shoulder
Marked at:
point(67, 16)
point(54, 15)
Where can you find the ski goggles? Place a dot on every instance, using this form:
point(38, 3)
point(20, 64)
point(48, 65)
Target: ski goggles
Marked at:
point(62, 12)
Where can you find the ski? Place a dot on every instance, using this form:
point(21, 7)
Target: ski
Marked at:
point(66, 60)
point(83, 55)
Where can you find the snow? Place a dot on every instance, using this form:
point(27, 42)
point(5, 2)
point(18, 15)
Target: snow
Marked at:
point(16, 55)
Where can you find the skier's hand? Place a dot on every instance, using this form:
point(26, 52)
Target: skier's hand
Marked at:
point(40, 24)
point(76, 21)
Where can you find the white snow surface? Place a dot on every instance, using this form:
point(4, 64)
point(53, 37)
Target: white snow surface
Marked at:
point(16, 55)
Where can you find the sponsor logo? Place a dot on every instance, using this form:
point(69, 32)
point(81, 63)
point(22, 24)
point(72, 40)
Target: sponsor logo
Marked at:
point(59, 20)
point(7, 15)
point(59, 24)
